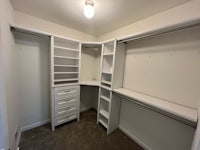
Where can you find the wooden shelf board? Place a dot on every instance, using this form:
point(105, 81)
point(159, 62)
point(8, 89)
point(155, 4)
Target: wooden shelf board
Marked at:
point(106, 82)
point(166, 106)
point(56, 56)
point(105, 98)
point(104, 113)
point(65, 72)
point(103, 123)
point(65, 48)
point(107, 88)
point(104, 72)
point(90, 82)
point(65, 66)
point(108, 54)
point(62, 80)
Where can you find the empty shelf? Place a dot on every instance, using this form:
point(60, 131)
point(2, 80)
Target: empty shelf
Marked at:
point(107, 72)
point(90, 83)
point(62, 80)
point(65, 72)
point(65, 66)
point(105, 98)
point(103, 123)
point(178, 111)
point(66, 57)
point(104, 113)
point(107, 88)
point(106, 82)
point(64, 48)
point(108, 54)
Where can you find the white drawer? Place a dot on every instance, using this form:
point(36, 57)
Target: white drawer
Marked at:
point(64, 102)
point(67, 91)
point(65, 110)
point(65, 118)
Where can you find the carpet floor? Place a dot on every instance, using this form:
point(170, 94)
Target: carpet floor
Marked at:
point(83, 135)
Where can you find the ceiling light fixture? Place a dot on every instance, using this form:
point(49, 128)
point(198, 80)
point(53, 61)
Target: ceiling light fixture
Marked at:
point(89, 9)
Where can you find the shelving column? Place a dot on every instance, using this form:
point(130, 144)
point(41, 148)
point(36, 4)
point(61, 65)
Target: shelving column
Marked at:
point(65, 89)
point(105, 90)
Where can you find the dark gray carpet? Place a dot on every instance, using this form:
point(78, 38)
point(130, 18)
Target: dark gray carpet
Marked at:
point(83, 135)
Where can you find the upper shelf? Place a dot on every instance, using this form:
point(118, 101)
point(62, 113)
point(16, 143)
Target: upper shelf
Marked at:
point(183, 112)
point(90, 83)
point(64, 48)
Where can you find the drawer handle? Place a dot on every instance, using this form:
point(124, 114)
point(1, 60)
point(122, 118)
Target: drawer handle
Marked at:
point(66, 91)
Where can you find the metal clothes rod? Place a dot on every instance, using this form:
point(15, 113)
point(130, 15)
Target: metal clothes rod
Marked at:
point(161, 31)
point(165, 113)
point(28, 32)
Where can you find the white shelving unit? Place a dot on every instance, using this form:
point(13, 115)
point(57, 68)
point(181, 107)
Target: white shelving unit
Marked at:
point(65, 72)
point(105, 103)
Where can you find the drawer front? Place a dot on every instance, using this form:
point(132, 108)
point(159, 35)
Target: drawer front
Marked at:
point(65, 102)
point(65, 118)
point(65, 110)
point(68, 91)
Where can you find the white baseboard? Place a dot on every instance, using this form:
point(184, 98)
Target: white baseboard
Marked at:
point(138, 141)
point(34, 125)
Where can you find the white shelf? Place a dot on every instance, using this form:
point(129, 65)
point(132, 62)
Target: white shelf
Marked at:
point(64, 48)
point(103, 123)
point(106, 82)
point(65, 72)
point(172, 108)
point(104, 87)
point(66, 66)
point(105, 98)
point(90, 83)
point(62, 80)
point(66, 57)
point(107, 72)
point(104, 113)
point(108, 54)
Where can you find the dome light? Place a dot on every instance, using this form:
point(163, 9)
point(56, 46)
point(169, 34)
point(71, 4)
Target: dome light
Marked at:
point(89, 9)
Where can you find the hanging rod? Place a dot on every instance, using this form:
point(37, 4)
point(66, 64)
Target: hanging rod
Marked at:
point(161, 31)
point(162, 112)
point(29, 31)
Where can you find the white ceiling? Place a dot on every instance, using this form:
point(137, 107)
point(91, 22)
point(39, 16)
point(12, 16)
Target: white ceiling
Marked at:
point(109, 14)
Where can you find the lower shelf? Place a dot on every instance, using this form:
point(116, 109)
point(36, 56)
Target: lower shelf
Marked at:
point(103, 121)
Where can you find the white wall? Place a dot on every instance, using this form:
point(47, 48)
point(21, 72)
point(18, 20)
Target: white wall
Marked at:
point(155, 131)
point(3, 111)
point(183, 13)
point(90, 64)
point(33, 70)
point(166, 67)
point(90, 70)
point(9, 57)
point(43, 25)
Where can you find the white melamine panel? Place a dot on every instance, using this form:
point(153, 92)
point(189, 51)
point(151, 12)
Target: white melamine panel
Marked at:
point(90, 64)
point(166, 67)
point(153, 130)
point(88, 97)
point(33, 76)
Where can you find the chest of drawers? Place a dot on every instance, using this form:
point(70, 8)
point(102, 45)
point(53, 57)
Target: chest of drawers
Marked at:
point(66, 103)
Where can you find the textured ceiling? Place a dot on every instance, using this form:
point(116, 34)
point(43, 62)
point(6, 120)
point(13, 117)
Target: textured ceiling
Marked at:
point(109, 14)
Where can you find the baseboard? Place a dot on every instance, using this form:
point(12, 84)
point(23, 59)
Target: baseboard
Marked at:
point(18, 139)
point(34, 125)
point(138, 141)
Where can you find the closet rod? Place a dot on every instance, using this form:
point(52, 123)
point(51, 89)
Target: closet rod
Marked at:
point(28, 32)
point(162, 112)
point(161, 31)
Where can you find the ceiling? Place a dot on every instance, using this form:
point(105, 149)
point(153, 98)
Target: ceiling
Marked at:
point(109, 14)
